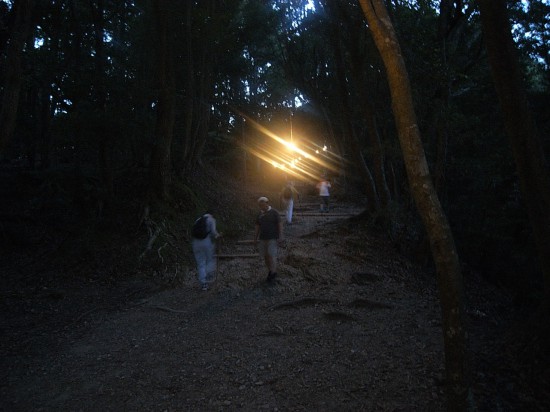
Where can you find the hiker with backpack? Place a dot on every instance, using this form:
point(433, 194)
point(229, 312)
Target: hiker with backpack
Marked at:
point(287, 196)
point(204, 233)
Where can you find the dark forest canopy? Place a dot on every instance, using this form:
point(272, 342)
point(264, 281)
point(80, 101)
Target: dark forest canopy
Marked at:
point(148, 91)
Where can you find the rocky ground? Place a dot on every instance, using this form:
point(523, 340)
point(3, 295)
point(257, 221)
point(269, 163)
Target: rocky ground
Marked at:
point(349, 325)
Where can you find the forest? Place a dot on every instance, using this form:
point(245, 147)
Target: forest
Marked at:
point(121, 121)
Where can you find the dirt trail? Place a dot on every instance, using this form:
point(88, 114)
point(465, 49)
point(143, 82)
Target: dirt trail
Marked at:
point(342, 329)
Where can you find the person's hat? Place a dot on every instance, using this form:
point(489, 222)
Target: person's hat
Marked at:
point(263, 199)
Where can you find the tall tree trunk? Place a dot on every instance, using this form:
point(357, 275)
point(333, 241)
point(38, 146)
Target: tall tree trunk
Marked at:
point(378, 158)
point(201, 135)
point(441, 238)
point(201, 111)
point(47, 111)
point(357, 72)
point(22, 10)
point(189, 82)
point(532, 167)
point(160, 168)
point(99, 26)
point(76, 94)
point(352, 140)
point(103, 152)
point(452, 21)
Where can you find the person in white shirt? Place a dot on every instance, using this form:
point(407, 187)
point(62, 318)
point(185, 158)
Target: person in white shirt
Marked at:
point(323, 186)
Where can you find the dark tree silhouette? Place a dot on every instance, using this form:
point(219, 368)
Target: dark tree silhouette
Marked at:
point(532, 167)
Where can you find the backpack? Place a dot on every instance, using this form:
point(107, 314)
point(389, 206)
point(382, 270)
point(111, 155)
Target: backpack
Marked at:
point(287, 193)
point(200, 229)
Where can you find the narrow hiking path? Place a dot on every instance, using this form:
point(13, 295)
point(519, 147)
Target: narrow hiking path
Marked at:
point(343, 328)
